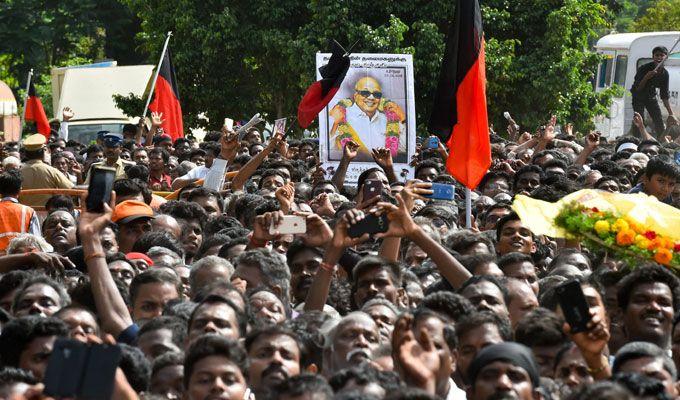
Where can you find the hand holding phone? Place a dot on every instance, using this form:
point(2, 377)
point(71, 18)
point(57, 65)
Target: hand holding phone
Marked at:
point(442, 191)
point(433, 143)
point(574, 306)
point(229, 124)
point(290, 225)
point(371, 224)
point(372, 188)
point(99, 189)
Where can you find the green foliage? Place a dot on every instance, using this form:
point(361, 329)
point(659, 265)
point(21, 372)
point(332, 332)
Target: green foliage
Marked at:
point(131, 105)
point(236, 57)
point(664, 15)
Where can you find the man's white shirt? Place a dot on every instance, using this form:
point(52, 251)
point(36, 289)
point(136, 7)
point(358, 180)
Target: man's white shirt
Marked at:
point(371, 131)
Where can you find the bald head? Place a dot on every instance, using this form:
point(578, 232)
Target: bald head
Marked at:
point(351, 342)
point(167, 223)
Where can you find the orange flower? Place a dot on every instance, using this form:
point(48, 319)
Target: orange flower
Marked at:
point(663, 256)
point(625, 237)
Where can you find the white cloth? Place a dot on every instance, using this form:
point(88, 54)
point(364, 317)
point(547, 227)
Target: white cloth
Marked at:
point(63, 130)
point(199, 172)
point(371, 131)
point(455, 393)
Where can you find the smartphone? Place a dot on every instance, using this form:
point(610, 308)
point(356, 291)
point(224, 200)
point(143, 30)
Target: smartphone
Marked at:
point(442, 191)
point(79, 370)
point(229, 123)
point(507, 116)
point(433, 143)
point(291, 224)
point(574, 305)
point(371, 224)
point(99, 191)
point(372, 188)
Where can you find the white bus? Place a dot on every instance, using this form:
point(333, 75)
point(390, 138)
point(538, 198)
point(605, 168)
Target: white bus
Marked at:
point(624, 53)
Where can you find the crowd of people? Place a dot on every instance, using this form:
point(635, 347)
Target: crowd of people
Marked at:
point(207, 299)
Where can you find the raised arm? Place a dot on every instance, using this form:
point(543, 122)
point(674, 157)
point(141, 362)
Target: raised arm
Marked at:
point(592, 141)
point(114, 313)
point(251, 166)
point(349, 152)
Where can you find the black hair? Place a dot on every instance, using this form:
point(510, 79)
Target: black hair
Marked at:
point(540, 327)
point(12, 280)
point(184, 210)
point(473, 261)
point(168, 359)
point(660, 49)
point(155, 275)
point(297, 247)
point(175, 325)
point(157, 238)
point(449, 332)
point(372, 262)
point(364, 175)
point(10, 376)
point(211, 241)
point(197, 152)
point(217, 223)
point(460, 241)
point(494, 175)
point(214, 345)
point(135, 366)
point(163, 153)
point(643, 274)
point(513, 258)
point(227, 245)
point(203, 191)
point(479, 318)
point(453, 305)
point(41, 279)
point(212, 136)
point(272, 267)
point(278, 330)
point(138, 172)
point(504, 220)
point(475, 279)
point(210, 147)
point(641, 386)
point(241, 316)
point(304, 384)
point(18, 334)
point(10, 183)
point(271, 172)
point(661, 166)
point(127, 187)
point(531, 168)
point(427, 164)
point(363, 375)
point(244, 208)
point(59, 201)
point(601, 390)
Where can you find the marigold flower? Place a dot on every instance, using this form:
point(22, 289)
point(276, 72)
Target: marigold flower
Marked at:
point(602, 227)
point(625, 237)
point(641, 242)
point(663, 256)
point(620, 225)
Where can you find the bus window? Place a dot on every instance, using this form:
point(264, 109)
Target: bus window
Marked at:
point(642, 61)
point(605, 79)
point(620, 72)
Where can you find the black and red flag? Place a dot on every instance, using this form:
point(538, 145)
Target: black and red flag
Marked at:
point(459, 115)
point(320, 93)
point(166, 99)
point(35, 112)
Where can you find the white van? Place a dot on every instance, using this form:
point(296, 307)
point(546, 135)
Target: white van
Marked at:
point(624, 53)
point(88, 90)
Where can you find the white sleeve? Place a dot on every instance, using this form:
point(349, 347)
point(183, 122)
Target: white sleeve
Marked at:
point(63, 130)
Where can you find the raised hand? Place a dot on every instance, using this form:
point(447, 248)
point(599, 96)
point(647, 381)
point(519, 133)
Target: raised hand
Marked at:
point(263, 222)
point(341, 237)
point(351, 150)
point(638, 121)
point(156, 119)
point(416, 357)
point(322, 205)
point(415, 190)
point(67, 114)
point(318, 232)
point(382, 157)
point(401, 223)
point(229, 144)
point(593, 341)
point(91, 224)
point(286, 196)
point(275, 141)
point(592, 140)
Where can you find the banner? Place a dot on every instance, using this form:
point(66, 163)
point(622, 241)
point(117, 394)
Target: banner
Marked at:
point(375, 107)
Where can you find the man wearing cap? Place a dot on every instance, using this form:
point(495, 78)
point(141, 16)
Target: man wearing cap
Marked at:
point(648, 78)
point(113, 143)
point(36, 174)
point(504, 370)
point(134, 219)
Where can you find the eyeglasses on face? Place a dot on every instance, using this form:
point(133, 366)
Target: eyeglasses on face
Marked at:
point(367, 93)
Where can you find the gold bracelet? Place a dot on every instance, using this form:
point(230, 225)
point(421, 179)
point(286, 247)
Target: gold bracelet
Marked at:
point(94, 255)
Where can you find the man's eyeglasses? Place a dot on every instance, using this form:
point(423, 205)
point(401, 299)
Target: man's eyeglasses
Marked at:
point(366, 93)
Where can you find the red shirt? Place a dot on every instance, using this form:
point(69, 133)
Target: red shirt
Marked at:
point(163, 181)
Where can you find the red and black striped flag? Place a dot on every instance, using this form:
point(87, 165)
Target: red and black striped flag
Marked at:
point(166, 99)
point(459, 115)
point(35, 112)
point(320, 93)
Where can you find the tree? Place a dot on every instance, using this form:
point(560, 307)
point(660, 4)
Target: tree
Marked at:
point(664, 15)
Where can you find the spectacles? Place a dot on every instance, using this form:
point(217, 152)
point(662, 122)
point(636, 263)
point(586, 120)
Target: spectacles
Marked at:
point(366, 93)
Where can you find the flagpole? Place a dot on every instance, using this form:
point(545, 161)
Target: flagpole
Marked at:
point(23, 111)
point(468, 208)
point(155, 77)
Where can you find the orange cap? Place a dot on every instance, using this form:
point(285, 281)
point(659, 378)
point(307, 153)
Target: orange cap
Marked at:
point(129, 210)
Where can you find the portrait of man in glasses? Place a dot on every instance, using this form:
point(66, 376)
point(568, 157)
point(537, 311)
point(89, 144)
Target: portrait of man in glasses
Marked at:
point(369, 119)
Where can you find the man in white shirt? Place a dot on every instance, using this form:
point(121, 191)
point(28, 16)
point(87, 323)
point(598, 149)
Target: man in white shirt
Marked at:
point(213, 151)
point(369, 123)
